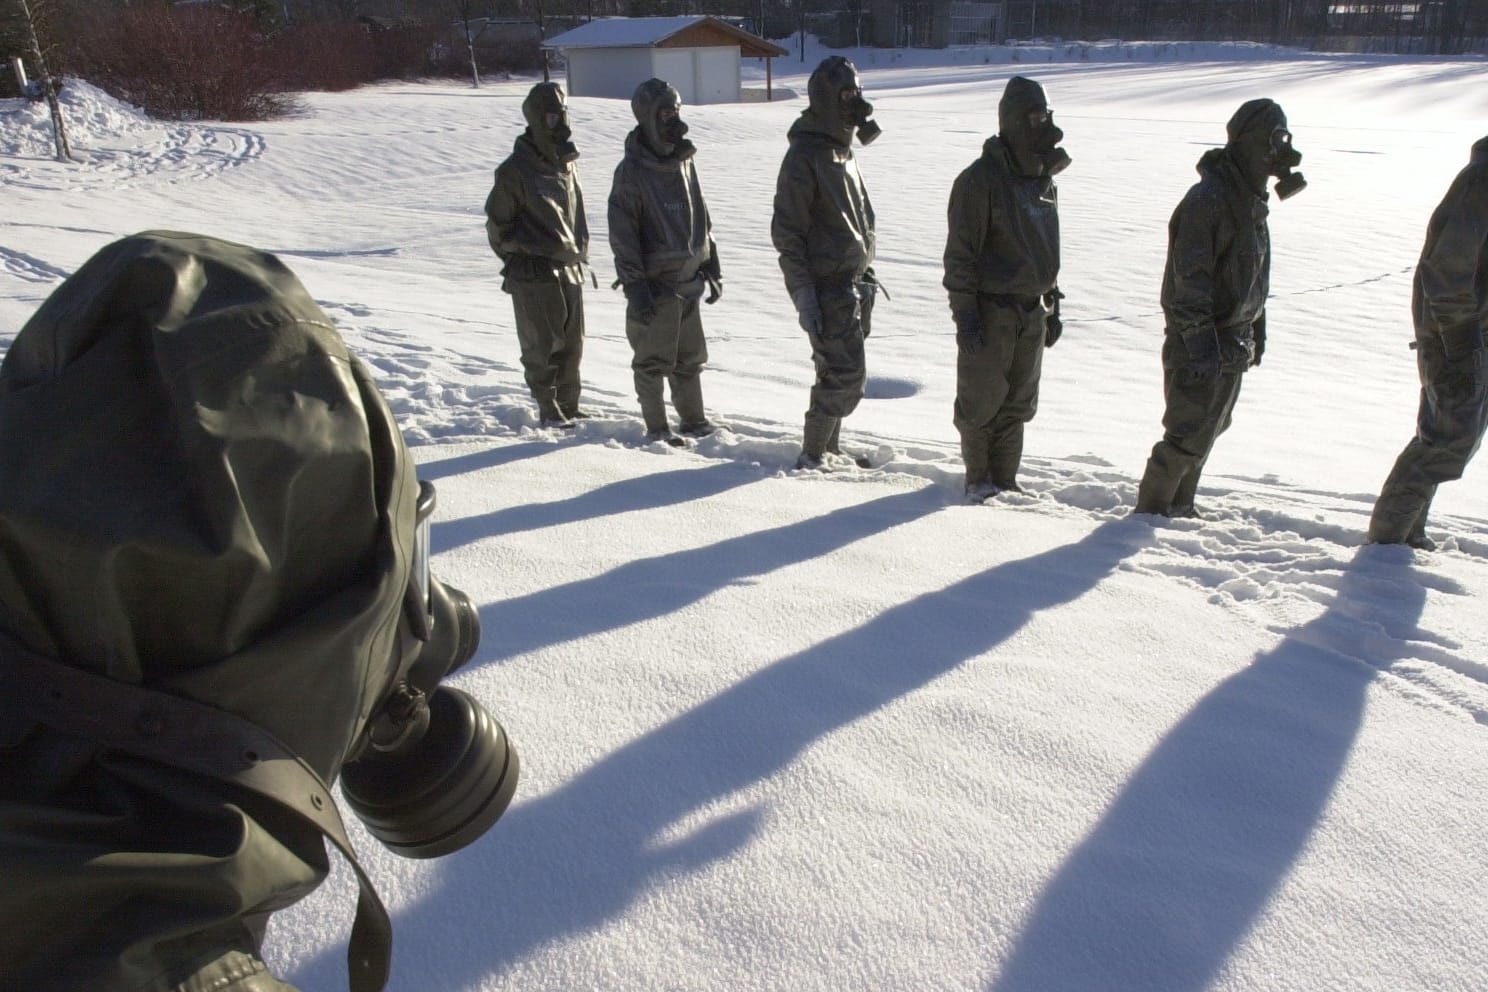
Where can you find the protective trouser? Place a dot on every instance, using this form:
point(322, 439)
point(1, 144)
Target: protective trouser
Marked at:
point(1449, 428)
point(997, 389)
point(550, 331)
point(1198, 409)
point(668, 348)
point(841, 365)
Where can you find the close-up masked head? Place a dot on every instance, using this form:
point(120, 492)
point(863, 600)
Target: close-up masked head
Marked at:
point(546, 111)
point(1261, 143)
point(209, 506)
point(658, 110)
point(1026, 125)
point(836, 98)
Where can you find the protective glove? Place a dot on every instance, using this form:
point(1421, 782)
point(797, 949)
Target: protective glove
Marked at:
point(1053, 325)
point(808, 310)
point(713, 276)
point(1257, 340)
point(969, 337)
point(640, 304)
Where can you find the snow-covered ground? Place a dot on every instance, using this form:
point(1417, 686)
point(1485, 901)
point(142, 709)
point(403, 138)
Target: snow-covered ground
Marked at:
point(841, 732)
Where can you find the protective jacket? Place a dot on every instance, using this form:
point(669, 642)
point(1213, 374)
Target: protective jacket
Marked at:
point(179, 423)
point(659, 225)
point(1449, 297)
point(1218, 270)
point(535, 217)
point(823, 220)
point(1003, 231)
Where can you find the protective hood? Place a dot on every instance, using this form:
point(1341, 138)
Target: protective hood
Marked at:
point(1261, 144)
point(1026, 126)
point(205, 491)
point(555, 142)
point(666, 139)
point(836, 100)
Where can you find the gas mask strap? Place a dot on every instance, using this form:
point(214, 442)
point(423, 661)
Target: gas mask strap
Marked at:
point(194, 737)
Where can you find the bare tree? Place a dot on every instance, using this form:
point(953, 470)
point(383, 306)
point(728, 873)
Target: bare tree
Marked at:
point(31, 11)
point(854, 9)
point(1451, 28)
point(542, 36)
point(465, 10)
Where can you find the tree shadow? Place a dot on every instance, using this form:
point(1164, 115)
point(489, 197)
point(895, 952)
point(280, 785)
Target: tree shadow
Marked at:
point(1172, 878)
point(575, 860)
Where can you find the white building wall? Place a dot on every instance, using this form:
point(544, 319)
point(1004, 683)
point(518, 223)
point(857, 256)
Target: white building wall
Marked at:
point(675, 66)
point(607, 72)
point(701, 75)
point(718, 77)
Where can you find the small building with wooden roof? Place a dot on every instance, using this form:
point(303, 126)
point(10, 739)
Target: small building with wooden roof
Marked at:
point(701, 56)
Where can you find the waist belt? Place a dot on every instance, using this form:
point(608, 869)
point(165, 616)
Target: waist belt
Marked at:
point(1024, 303)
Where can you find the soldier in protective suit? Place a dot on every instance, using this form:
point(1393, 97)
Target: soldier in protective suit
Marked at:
point(1002, 272)
point(1214, 291)
point(1449, 305)
point(823, 229)
point(665, 259)
point(536, 225)
point(210, 593)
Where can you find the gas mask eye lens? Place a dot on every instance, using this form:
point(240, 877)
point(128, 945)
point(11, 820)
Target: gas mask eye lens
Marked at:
point(1038, 118)
point(420, 579)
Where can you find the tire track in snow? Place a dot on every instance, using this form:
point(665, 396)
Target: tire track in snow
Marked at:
point(115, 145)
point(29, 267)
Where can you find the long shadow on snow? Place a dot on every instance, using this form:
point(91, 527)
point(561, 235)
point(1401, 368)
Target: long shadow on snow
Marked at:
point(434, 469)
point(623, 496)
point(653, 587)
point(575, 860)
point(1170, 881)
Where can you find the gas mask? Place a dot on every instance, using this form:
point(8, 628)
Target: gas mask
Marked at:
point(658, 110)
point(546, 114)
point(247, 513)
point(1026, 126)
point(432, 770)
point(1284, 158)
point(1043, 141)
point(672, 129)
point(857, 111)
point(836, 96)
point(562, 136)
point(1261, 144)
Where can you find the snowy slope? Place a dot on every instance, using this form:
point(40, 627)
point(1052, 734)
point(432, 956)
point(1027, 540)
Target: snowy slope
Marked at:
point(786, 732)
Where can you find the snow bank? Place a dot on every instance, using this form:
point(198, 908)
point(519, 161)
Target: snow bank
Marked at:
point(88, 113)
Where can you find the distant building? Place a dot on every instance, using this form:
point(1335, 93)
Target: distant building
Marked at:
point(700, 55)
